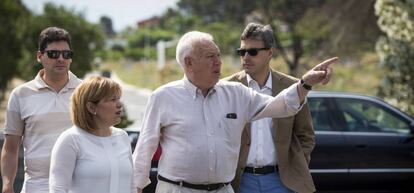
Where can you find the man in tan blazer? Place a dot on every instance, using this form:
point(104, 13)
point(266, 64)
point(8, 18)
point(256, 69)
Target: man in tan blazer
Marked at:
point(274, 153)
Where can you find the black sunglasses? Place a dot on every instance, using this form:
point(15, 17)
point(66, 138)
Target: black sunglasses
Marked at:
point(251, 51)
point(54, 54)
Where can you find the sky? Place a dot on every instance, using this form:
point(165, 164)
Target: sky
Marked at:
point(123, 13)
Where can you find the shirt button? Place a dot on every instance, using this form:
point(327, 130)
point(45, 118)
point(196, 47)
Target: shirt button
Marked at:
point(211, 151)
point(211, 168)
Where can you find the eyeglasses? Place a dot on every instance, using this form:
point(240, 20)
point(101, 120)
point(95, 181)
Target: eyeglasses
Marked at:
point(251, 51)
point(54, 54)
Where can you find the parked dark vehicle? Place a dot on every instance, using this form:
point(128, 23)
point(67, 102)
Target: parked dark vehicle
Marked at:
point(362, 145)
point(133, 136)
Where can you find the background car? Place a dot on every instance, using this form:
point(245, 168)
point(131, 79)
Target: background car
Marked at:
point(362, 145)
point(133, 134)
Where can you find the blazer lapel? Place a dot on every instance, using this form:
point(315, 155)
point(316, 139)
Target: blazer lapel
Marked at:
point(276, 83)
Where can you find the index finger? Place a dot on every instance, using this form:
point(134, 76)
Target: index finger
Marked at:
point(325, 64)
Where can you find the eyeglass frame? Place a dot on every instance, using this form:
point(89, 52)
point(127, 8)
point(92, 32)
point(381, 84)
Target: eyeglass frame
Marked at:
point(66, 54)
point(250, 51)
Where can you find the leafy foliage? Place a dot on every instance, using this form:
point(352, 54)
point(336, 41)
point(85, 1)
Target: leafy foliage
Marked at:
point(12, 18)
point(142, 42)
point(218, 10)
point(345, 28)
point(227, 36)
point(396, 50)
point(106, 24)
point(302, 27)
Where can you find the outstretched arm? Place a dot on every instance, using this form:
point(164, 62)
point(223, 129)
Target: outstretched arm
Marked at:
point(321, 73)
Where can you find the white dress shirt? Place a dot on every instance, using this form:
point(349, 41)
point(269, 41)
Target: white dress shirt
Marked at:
point(262, 150)
point(82, 162)
point(200, 145)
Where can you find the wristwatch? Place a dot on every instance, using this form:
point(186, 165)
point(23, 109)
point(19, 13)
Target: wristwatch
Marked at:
point(304, 85)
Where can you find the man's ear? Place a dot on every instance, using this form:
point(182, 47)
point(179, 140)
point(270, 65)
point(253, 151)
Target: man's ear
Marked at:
point(91, 107)
point(38, 56)
point(187, 62)
point(272, 50)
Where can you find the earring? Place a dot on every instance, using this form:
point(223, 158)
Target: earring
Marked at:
point(94, 113)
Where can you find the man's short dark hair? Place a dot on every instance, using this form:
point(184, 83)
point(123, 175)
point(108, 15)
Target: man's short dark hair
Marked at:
point(52, 34)
point(259, 32)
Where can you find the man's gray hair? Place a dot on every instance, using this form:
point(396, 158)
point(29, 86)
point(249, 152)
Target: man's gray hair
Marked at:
point(259, 32)
point(185, 45)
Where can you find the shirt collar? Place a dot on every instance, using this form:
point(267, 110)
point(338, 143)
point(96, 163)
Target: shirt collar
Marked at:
point(193, 90)
point(268, 84)
point(40, 83)
point(73, 81)
point(190, 87)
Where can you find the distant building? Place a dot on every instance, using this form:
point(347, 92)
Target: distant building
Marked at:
point(153, 21)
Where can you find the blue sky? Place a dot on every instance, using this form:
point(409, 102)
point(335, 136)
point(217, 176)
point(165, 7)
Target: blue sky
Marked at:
point(122, 12)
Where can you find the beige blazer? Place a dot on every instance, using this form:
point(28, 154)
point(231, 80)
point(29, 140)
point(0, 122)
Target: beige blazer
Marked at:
point(294, 138)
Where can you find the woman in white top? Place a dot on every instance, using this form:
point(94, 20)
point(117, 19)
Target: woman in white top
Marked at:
point(93, 156)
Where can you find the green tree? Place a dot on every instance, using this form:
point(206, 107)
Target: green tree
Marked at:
point(283, 15)
point(286, 15)
point(346, 28)
point(87, 39)
point(226, 35)
point(301, 27)
point(218, 10)
point(106, 24)
point(178, 22)
point(396, 50)
point(13, 16)
point(142, 42)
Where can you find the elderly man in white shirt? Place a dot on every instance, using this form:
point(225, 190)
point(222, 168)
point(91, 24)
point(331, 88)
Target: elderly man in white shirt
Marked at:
point(198, 120)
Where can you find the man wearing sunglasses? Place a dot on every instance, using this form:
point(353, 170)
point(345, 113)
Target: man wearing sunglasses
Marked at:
point(37, 112)
point(274, 153)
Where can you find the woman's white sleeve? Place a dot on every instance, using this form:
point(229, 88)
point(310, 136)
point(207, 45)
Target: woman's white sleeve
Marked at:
point(62, 164)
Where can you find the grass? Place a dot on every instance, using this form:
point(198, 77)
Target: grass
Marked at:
point(146, 75)
point(359, 77)
point(362, 77)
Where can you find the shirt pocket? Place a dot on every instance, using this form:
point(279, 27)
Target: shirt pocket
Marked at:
point(231, 132)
